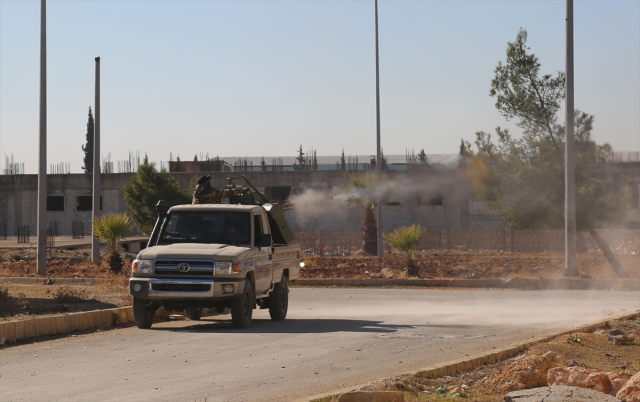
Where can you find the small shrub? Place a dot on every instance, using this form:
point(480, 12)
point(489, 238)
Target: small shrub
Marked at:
point(68, 294)
point(405, 240)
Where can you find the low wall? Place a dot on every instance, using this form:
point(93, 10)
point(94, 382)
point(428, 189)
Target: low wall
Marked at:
point(519, 241)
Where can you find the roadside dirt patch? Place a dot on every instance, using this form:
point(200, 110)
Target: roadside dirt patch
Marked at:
point(592, 351)
point(468, 265)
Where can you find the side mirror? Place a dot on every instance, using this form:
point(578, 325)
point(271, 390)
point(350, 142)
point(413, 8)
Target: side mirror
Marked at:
point(265, 240)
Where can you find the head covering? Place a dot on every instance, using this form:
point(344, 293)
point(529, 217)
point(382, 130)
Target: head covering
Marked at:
point(204, 179)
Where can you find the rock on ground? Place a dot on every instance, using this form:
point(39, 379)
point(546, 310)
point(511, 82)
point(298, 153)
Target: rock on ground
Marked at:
point(631, 391)
point(608, 383)
point(558, 393)
point(524, 373)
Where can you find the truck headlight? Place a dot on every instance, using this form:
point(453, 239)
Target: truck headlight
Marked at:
point(223, 268)
point(142, 266)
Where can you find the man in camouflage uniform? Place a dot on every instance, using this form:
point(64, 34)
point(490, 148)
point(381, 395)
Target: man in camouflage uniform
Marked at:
point(204, 193)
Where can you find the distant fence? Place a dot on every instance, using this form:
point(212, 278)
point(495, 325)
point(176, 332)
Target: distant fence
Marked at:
point(77, 230)
point(22, 232)
point(52, 233)
point(508, 240)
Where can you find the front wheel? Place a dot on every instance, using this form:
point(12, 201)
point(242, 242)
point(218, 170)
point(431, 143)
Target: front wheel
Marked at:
point(241, 309)
point(279, 300)
point(143, 313)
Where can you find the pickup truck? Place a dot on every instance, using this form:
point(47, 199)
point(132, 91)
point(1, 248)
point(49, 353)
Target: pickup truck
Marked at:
point(216, 256)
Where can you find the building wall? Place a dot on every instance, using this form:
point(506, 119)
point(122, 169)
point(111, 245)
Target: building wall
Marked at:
point(318, 211)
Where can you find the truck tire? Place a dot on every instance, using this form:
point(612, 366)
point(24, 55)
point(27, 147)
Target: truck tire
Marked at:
point(193, 313)
point(142, 313)
point(241, 310)
point(279, 300)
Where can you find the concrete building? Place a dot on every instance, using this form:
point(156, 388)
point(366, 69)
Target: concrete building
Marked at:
point(434, 198)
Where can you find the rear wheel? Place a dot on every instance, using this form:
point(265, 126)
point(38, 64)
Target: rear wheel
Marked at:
point(143, 313)
point(193, 313)
point(279, 300)
point(241, 309)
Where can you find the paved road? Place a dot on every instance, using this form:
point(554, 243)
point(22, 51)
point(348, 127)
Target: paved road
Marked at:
point(332, 338)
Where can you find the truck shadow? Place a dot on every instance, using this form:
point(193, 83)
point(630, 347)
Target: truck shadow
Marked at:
point(293, 326)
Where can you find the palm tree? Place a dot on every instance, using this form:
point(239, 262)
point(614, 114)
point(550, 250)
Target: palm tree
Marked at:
point(406, 240)
point(362, 191)
point(111, 229)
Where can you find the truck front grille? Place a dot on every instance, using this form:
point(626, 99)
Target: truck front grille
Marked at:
point(171, 267)
point(180, 287)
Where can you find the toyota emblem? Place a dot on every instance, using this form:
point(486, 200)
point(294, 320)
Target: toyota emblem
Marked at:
point(184, 267)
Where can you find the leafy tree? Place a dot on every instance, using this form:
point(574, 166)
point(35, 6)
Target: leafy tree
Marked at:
point(343, 163)
point(362, 191)
point(111, 229)
point(263, 165)
point(195, 158)
point(145, 188)
point(88, 147)
point(301, 162)
point(523, 179)
point(406, 240)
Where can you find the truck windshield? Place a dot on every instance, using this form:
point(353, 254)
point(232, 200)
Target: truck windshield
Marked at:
point(206, 227)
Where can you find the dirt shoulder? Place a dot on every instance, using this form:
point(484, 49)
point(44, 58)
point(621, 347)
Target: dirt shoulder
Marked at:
point(469, 265)
point(491, 381)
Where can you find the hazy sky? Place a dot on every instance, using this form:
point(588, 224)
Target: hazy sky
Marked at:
point(262, 77)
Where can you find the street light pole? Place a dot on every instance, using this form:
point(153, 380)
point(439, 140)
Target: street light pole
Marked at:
point(95, 242)
point(42, 161)
point(570, 268)
point(378, 153)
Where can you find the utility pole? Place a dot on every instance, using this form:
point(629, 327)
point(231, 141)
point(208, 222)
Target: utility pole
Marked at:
point(570, 267)
point(42, 165)
point(378, 159)
point(95, 242)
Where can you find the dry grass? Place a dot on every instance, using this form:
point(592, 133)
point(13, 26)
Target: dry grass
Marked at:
point(69, 294)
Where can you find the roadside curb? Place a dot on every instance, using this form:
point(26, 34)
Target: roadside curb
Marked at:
point(515, 283)
point(40, 280)
point(12, 331)
point(475, 361)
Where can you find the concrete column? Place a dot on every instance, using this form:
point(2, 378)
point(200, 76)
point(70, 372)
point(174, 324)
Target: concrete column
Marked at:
point(378, 152)
point(570, 268)
point(42, 165)
point(95, 244)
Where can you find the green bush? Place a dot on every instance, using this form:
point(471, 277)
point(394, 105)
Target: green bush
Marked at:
point(405, 240)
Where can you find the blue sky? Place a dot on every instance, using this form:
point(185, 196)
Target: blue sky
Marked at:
point(262, 77)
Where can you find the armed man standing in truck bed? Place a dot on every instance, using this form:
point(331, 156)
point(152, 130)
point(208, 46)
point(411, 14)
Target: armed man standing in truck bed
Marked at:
point(204, 193)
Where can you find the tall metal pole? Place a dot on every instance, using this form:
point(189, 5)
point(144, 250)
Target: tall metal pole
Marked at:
point(42, 161)
point(570, 268)
point(378, 153)
point(95, 244)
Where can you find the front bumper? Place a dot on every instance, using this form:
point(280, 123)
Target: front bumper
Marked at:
point(185, 289)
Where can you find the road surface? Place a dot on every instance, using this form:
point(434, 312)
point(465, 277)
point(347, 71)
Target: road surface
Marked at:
point(332, 338)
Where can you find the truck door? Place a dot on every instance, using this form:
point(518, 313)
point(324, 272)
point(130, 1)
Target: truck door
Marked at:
point(264, 262)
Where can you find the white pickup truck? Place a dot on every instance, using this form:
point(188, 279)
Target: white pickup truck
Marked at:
point(215, 256)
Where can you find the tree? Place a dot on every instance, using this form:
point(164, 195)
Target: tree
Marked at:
point(195, 158)
point(88, 147)
point(422, 157)
point(301, 162)
point(406, 240)
point(523, 179)
point(362, 191)
point(145, 188)
point(263, 165)
point(111, 229)
point(343, 164)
